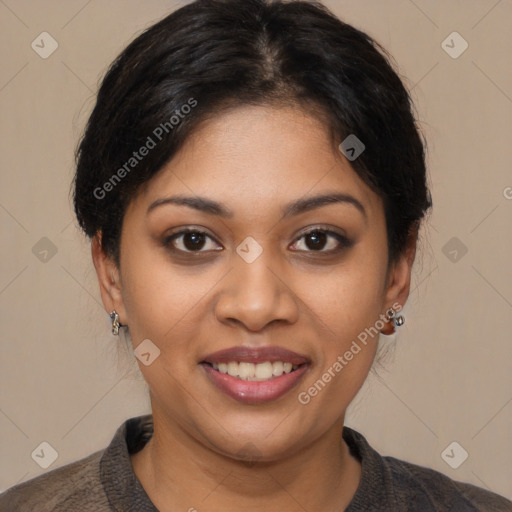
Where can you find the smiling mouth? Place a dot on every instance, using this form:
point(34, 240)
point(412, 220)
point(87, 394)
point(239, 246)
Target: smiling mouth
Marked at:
point(259, 372)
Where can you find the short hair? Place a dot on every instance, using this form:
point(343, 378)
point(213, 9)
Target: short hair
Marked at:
point(211, 55)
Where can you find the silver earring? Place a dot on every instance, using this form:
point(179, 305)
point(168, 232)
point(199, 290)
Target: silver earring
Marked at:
point(115, 323)
point(397, 320)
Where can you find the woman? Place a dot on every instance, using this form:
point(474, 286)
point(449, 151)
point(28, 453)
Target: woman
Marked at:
point(253, 183)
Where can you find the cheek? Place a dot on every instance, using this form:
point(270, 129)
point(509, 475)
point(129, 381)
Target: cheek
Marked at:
point(345, 352)
point(155, 294)
point(345, 305)
point(348, 298)
point(161, 302)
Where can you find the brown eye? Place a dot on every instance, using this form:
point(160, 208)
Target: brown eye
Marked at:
point(189, 240)
point(323, 241)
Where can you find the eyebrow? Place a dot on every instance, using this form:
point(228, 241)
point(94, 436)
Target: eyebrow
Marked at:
point(205, 205)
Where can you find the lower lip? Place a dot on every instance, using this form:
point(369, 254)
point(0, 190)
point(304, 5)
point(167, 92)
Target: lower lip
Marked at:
point(255, 392)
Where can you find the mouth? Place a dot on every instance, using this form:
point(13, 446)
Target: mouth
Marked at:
point(255, 375)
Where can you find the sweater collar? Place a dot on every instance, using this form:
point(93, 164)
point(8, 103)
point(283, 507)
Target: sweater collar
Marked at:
point(122, 487)
point(375, 490)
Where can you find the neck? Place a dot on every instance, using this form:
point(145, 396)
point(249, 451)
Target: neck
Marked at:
point(180, 473)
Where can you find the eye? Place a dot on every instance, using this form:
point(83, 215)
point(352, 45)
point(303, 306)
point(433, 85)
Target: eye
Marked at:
point(189, 240)
point(316, 240)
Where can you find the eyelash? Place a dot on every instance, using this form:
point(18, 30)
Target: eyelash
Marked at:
point(344, 242)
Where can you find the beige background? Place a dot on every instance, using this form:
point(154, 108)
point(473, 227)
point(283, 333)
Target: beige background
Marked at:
point(450, 379)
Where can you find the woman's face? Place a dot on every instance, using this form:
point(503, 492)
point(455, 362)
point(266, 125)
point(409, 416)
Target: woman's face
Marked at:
point(255, 279)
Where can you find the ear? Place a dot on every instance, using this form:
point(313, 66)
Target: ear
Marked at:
point(399, 278)
point(108, 279)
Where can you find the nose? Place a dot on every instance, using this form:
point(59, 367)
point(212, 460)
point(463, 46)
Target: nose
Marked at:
point(256, 294)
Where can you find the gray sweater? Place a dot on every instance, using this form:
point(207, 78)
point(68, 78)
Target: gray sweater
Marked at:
point(105, 481)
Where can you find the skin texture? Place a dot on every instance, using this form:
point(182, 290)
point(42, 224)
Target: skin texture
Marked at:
point(254, 160)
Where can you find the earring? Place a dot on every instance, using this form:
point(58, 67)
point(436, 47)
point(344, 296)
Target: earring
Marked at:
point(393, 321)
point(115, 323)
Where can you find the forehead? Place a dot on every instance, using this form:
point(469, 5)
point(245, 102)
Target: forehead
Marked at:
point(252, 157)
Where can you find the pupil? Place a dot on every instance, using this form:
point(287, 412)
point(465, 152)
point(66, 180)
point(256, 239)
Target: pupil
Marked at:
point(318, 239)
point(197, 241)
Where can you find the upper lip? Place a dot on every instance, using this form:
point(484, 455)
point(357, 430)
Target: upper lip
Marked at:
point(255, 355)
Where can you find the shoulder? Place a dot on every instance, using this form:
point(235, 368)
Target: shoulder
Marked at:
point(413, 483)
point(75, 485)
point(390, 484)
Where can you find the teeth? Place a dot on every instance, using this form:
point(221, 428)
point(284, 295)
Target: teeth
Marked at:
point(277, 368)
point(255, 372)
point(247, 370)
point(262, 370)
point(233, 369)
